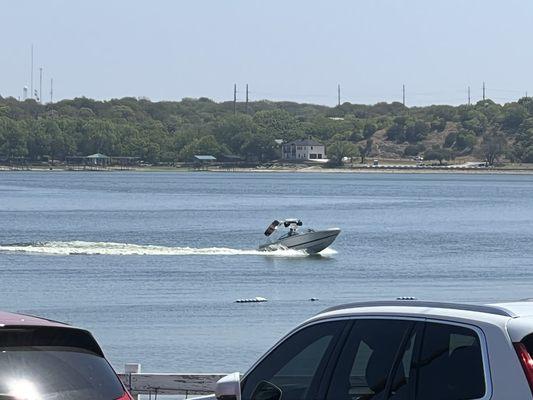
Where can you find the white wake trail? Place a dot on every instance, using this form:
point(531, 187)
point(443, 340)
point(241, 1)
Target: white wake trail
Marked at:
point(127, 249)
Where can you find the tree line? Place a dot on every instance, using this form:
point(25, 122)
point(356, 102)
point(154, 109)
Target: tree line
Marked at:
point(170, 131)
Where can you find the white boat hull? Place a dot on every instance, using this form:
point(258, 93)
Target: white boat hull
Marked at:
point(311, 242)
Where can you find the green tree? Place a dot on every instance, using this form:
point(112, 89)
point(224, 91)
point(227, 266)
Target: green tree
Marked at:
point(493, 146)
point(438, 153)
point(527, 157)
point(278, 123)
point(465, 140)
point(414, 150)
point(512, 116)
point(416, 130)
point(38, 139)
point(98, 136)
point(234, 130)
point(369, 129)
point(438, 124)
point(364, 151)
point(339, 150)
point(206, 145)
point(14, 139)
point(259, 147)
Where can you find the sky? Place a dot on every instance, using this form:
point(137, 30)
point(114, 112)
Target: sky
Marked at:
point(284, 50)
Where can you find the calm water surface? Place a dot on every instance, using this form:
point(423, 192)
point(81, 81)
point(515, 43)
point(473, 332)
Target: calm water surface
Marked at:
point(152, 262)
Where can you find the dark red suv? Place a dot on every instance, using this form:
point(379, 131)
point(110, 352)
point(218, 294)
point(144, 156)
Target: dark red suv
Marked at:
point(42, 359)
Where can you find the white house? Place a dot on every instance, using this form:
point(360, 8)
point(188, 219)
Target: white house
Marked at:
point(306, 149)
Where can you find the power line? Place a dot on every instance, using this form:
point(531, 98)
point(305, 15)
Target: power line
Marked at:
point(436, 96)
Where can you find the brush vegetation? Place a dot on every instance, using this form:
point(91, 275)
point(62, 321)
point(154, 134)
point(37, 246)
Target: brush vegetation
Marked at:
point(170, 131)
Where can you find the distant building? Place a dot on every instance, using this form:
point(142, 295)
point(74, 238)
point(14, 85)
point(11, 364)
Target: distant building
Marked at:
point(204, 158)
point(306, 149)
point(202, 161)
point(99, 159)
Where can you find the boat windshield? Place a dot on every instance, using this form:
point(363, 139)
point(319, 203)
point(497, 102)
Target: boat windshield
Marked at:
point(291, 232)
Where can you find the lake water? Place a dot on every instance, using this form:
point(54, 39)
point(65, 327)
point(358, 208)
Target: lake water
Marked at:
point(152, 263)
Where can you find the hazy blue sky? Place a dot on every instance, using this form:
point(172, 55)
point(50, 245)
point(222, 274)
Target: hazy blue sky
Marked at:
point(293, 50)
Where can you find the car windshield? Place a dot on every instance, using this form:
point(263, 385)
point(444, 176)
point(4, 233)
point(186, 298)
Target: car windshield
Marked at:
point(55, 364)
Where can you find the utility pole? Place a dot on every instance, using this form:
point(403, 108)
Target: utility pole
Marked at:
point(234, 98)
point(41, 85)
point(483, 90)
point(31, 73)
point(339, 94)
point(468, 95)
point(51, 90)
point(403, 95)
point(246, 98)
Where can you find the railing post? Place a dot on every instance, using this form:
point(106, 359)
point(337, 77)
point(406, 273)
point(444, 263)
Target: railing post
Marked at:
point(132, 368)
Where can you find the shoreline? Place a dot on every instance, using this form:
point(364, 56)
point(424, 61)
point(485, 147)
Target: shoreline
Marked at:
point(311, 169)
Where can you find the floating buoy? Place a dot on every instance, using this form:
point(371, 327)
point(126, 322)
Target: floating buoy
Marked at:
point(254, 300)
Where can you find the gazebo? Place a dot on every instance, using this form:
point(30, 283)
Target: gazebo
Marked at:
point(98, 159)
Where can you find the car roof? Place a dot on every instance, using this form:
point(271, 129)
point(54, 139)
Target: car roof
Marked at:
point(497, 313)
point(12, 319)
point(522, 308)
point(495, 309)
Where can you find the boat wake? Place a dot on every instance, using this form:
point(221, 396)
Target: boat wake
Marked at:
point(127, 249)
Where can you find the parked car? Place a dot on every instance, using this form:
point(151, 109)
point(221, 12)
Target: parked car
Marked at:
point(399, 350)
point(42, 359)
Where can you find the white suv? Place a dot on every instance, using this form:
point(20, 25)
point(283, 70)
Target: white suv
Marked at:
point(399, 350)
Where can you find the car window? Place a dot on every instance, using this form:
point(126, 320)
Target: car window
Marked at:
point(450, 365)
point(59, 364)
point(294, 364)
point(367, 359)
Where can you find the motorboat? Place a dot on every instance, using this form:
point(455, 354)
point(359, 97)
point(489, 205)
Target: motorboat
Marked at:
point(297, 238)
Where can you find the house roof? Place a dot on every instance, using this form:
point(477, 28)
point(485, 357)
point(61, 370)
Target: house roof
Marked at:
point(305, 142)
point(204, 157)
point(97, 155)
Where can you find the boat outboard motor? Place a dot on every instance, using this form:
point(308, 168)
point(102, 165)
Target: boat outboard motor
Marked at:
point(272, 227)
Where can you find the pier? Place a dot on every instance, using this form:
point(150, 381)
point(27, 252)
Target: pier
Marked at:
point(153, 384)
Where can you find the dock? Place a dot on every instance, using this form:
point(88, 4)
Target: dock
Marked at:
point(153, 384)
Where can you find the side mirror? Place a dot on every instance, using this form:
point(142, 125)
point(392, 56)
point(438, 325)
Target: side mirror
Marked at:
point(229, 387)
